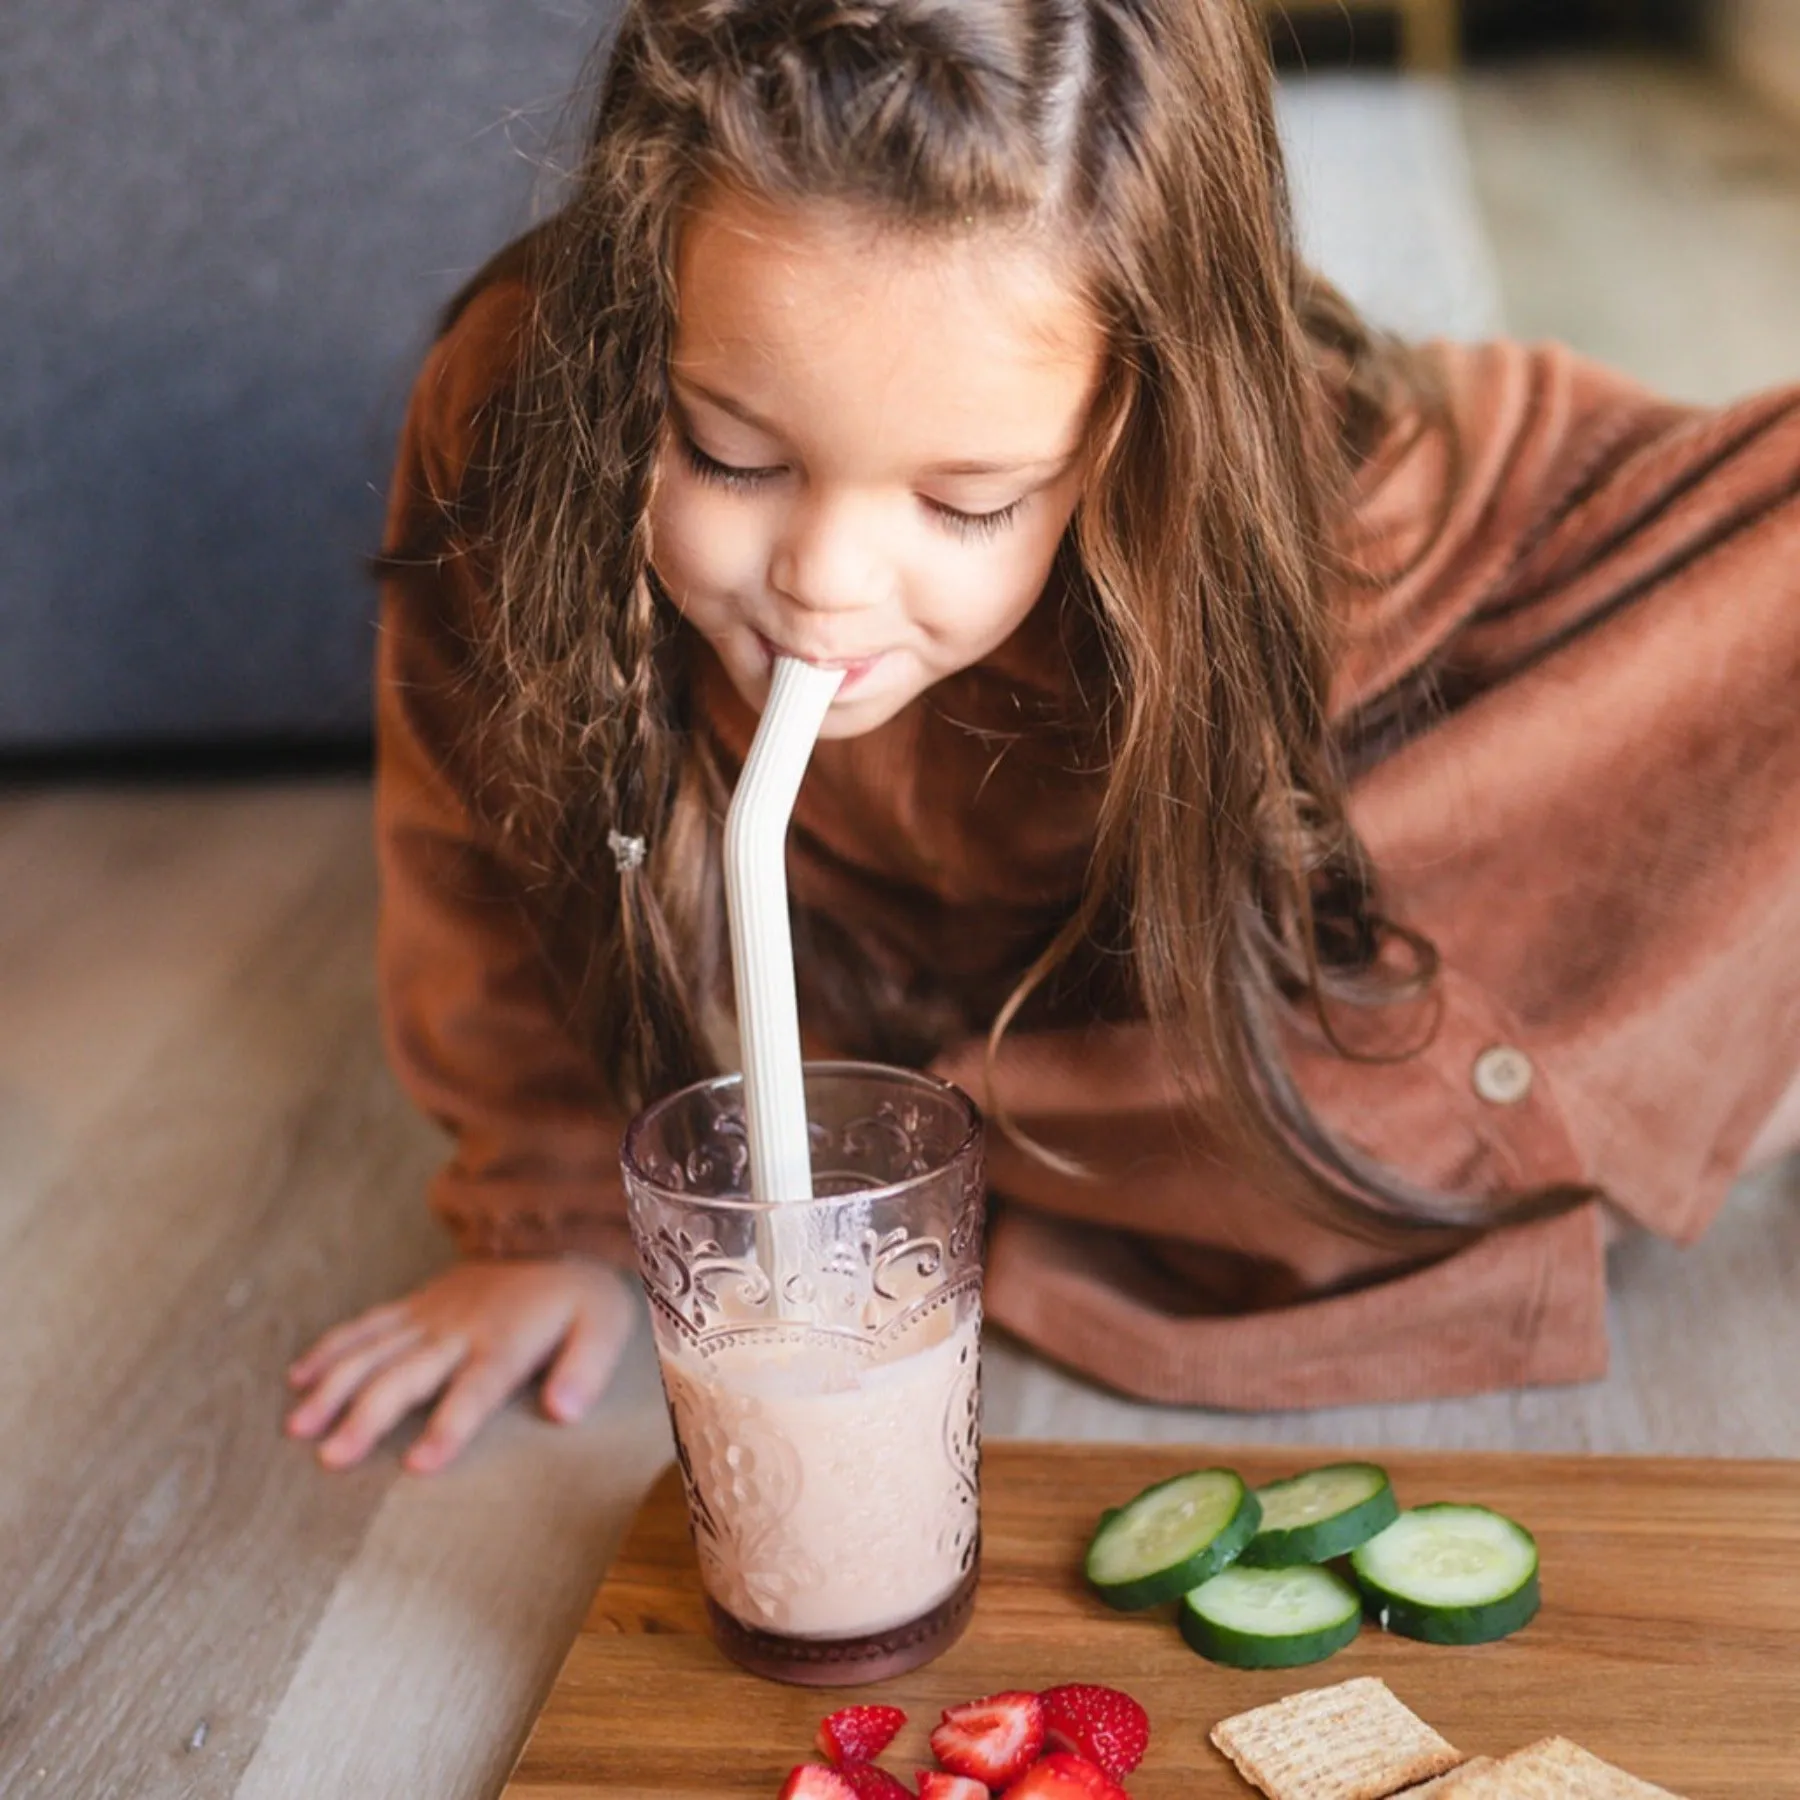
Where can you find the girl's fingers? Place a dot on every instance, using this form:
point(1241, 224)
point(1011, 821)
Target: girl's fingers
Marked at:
point(586, 1362)
point(474, 1397)
point(341, 1379)
point(304, 1370)
point(389, 1398)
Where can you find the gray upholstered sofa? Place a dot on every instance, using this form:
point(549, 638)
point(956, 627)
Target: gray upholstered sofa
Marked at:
point(223, 233)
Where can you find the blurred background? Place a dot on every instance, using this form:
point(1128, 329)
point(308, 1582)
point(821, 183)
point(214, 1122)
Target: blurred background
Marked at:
point(224, 231)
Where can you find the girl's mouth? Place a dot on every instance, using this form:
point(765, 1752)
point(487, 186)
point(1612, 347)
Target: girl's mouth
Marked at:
point(854, 670)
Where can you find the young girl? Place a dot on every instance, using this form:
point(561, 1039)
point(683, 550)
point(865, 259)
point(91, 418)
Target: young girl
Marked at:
point(1333, 804)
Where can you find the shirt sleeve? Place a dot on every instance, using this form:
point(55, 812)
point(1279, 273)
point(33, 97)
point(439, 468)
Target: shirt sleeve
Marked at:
point(1581, 787)
point(470, 1013)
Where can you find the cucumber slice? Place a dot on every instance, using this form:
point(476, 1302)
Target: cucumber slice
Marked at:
point(1172, 1537)
point(1450, 1575)
point(1271, 1618)
point(1321, 1514)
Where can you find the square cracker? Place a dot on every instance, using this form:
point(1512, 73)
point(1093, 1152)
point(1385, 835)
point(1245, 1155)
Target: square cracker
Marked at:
point(1354, 1741)
point(1551, 1769)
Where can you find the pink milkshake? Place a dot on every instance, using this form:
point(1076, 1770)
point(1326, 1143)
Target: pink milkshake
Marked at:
point(834, 1495)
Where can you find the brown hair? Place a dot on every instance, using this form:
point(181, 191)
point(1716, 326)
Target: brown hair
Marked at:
point(1241, 392)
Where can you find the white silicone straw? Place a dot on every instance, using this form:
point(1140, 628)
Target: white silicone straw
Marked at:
point(762, 941)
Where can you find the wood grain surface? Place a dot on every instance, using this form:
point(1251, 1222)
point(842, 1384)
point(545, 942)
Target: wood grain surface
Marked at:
point(1669, 1640)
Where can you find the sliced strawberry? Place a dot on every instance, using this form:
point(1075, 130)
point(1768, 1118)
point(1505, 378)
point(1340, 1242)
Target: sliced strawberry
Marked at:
point(1100, 1723)
point(935, 1785)
point(859, 1734)
point(992, 1740)
point(867, 1782)
point(1060, 1776)
point(813, 1781)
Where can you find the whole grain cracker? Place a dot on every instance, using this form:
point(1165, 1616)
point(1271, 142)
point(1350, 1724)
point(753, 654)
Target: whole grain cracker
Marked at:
point(1551, 1769)
point(1354, 1741)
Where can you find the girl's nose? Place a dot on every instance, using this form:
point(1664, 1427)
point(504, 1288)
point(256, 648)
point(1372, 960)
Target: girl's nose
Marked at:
point(828, 558)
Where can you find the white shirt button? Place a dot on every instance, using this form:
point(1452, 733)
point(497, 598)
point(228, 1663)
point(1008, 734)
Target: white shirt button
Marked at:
point(1502, 1075)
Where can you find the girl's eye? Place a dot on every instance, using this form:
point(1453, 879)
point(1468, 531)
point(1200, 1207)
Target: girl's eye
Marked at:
point(974, 525)
point(728, 475)
point(725, 475)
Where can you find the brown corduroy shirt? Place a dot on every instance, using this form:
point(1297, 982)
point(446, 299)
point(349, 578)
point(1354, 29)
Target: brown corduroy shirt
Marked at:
point(1593, 811)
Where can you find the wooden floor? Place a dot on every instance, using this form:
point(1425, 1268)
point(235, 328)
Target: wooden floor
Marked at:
point(203, 1163)
point(1646, 213)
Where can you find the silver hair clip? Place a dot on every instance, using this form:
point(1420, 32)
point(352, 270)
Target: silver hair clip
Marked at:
point(627, 852)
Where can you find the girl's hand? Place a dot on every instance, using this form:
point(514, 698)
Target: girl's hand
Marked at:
point(477, 1333)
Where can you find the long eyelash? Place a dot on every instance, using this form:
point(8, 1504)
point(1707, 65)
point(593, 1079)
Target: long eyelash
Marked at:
point(975, 525)
point(961, 524)
point(709, 468)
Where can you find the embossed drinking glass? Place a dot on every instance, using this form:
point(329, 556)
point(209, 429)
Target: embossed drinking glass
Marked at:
point(821, 1364)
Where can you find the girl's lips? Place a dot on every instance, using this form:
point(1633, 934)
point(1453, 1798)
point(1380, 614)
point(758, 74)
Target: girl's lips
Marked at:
point(853, 671)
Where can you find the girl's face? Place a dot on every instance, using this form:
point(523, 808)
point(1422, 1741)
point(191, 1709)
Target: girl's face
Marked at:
point(875, 445)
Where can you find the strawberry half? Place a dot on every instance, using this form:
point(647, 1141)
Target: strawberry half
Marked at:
point(859, 1734)
point(992, 1740)
point(1110, 1729)
point(867, 1782)
point(1060, 1776)
point(935, 1785)
point(813, 1781)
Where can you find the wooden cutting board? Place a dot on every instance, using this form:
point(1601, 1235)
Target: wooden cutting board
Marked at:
point(1669, 1640)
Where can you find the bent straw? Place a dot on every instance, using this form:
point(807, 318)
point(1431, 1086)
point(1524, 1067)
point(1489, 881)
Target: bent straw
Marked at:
point(762, 943)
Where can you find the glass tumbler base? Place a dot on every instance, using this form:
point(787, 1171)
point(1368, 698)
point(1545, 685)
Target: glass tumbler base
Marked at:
point(847, 1662)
